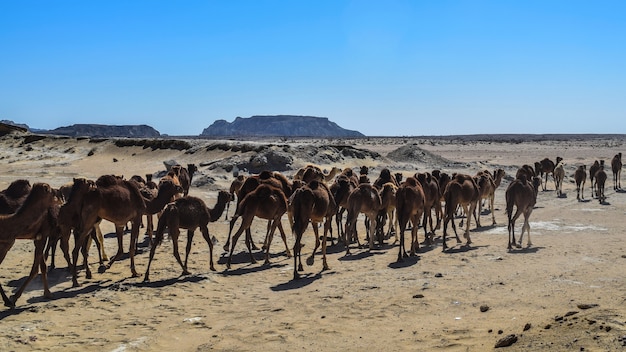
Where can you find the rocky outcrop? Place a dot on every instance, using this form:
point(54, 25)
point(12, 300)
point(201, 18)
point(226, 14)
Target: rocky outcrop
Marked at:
point(94, 130)
point(278, 126)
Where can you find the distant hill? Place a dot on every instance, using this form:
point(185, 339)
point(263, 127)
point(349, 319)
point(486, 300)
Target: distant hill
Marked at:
point(95, 130)
point(279, 125)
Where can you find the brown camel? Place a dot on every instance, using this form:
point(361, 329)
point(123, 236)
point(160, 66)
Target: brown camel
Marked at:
point(235, 186)
point(118, 201)
point(388, 209)
point(527, 171)
point(580, 176)
point(185, 176)
point(432, 201)
point(188, 213)
point(461, 190)
point(29, 222)
point(592, 176)
point(275, 179)
point(314, 172)
point(14, 196)
point(601, 177)
point(616, 166)
point(559, 176)
point(385, 176)
point(364, 199)
point(547, 167)
point(342, 187)
point(409, 207)
point(312, 203)
point(523, 195)
point(266, 202)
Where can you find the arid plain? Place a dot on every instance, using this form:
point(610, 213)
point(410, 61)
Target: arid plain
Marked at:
point(567, 291)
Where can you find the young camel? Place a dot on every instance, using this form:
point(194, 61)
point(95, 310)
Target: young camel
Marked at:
point(188, 213)
point(388, 208)
point(523, 195)
point(312, 203)
point(409, 207)
point(185, 176)
point(592, 176)
point(364, 199)
point(118, 201)
point(461, 190)
point(580, 176)
point(559, 176)
point(616, 166)
point(29, 222)
point(266, 202)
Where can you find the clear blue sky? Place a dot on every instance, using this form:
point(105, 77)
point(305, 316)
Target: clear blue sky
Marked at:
point(384, 68)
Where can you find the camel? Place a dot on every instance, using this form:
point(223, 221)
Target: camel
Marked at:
point(461, 190)
point(275, 179)
point(312, 203)
point(616, 166)
point(488, 184)
point(580, 176)
point(432, 201)
point(409, 207)
point(235, 186)
point(266, 202)
point(559, 176)
point(527, 171)
point(188, 213)
point(592, 176)
point(314, 172)
point(388, 209)
point(523, 195)
point(601, 177)
point(344, 184)
point(546, 166)
point(118, 201)
point(29, 222)
point(185, 176)
point(385, 176)
point(364, 199)
point(13, 197)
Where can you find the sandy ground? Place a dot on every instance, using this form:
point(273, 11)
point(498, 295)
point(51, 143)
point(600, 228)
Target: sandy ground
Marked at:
point(567, 291)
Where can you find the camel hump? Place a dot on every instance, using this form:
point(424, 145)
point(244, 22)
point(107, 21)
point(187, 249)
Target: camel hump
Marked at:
point(18, 189)
point(411, 181)
point(264, 191)
point(107, 181)
point(264, 175)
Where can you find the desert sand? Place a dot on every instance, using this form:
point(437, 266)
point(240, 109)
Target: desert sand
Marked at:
point(565, 292)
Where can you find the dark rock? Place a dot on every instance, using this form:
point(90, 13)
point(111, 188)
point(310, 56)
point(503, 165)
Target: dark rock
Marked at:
point(527, 327)
point(587, 305)
point(506, 341)
point(279, 125)
point(484, 308)
point(96, 130)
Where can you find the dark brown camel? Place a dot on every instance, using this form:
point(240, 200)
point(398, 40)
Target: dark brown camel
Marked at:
point(385, 176)
point(118, 201)
point(616, 166)
point(185, 176)
point(461, 190)
point(312, 203)
point(29, 222)
point(580, 176)
point(188, 213)
point(364, 199)
point(592, 176)
point(523, 195)
point(527, 171)
point(14, 196)
point(266, 202)
point(409, 207)
point(601, 177)
point(547, 167)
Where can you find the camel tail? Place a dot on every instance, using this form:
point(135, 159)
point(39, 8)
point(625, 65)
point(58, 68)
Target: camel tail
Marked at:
point(302, 201)
point(158, 237)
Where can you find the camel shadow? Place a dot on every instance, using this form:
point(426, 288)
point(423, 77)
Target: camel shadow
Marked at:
point(485, 228)
point(251, 268)
point(71, 292)
point(168, 282)
point(303, 281)
point(604, 202)
point(360, 255)
point(525, 250)
point(13, 311)
point(405, 263)
point(584, 200)
point(462, 249)
point(562, 195)
point(620, 190)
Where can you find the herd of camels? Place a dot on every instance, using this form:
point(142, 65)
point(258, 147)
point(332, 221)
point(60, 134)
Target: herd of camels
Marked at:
point(49, 216)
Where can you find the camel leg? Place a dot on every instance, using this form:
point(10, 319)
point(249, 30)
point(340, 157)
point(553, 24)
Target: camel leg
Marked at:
point(284, 237)
point(526, 227)
point(38, 263)
point(205, 233)
point(493, 213)
point(269, 237)
point(119, 232)
point(327, 227)
point(190, 234)
point(471, 209)
point(372, 231)
point(100, 239)
point(311, 259)
point(415, 245)
point(297, 259)
point(245, 224)
point(4, 249)
point(517, 214)
point(158, 238)
point(250, 245)
point(231, 224)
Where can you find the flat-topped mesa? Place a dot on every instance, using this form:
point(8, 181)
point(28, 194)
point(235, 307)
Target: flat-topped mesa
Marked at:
point(279, 125)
